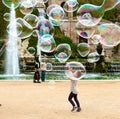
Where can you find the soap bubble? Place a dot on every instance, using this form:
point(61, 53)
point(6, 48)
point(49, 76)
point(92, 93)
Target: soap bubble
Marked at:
point(110, 34)
point(18, 27)
point(83, 49)
point(71, 5)
point(31, 19)
point(56, 16)
point(89, 15)
point(75, 70)
point(62, 52)
point(26, 7)
point(48, 66)
point(83, 31)
point(47, 43)
point(35, 33)
point(96, 38)
point(44, 27)
point(6, 16)
point(31, 50)
point(50, 7)
point(8, 3)
point(26, 28)
point(93, 57)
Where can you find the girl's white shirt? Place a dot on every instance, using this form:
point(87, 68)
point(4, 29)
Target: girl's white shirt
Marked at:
point(73, 83)
point(43, 66)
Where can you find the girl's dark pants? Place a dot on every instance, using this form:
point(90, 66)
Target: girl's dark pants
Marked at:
point(72, 95)
point(43, 75)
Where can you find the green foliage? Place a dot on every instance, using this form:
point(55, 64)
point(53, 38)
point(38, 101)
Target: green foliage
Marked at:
point(111, 15)
point(3, 10)
point(116, 48)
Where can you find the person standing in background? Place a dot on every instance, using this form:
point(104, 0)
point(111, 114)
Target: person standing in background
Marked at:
point(36, 77)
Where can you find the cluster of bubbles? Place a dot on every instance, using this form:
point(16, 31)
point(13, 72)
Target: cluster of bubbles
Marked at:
point(88, 19)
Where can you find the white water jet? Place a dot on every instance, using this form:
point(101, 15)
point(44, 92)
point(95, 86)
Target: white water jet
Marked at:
point(12, 61)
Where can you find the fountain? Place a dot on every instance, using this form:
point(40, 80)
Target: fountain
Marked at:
point(12, 60)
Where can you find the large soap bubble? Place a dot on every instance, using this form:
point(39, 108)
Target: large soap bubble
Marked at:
point(26, 7)
point(90, 15)
point(31, 19)
point(56, 16)
point(83, 31)
point(44, 27)
point(93, 57)
point(47, 43)
point(83, 49)
point(9, 3)
point(110, 34)
point(62, 52)
point(71, 5)
point(26, 28)
point(75, 70)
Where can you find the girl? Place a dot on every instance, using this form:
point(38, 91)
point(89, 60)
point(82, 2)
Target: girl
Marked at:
point(74, 93)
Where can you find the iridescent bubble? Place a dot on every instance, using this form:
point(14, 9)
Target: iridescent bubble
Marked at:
point(93, 57)
point(31, 50)
point(47, 43)
point(96, 38)
point(50, 7)
point(56, 16)
point(35, 33)
point(71, 5)
point(49, 66)
point(110, 34)
point(83, 49)
point(75, 70)
point(6, 16)
point(89, 15)
point(44, 27)
point(26, 28)
point(83, 31)
point(31, 19)
point(26, 7)
point(8, 3)
point(18, 27)
point(63, 52)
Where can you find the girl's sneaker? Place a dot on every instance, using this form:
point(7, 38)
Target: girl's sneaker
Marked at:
point(78, 109)
point(73, 109)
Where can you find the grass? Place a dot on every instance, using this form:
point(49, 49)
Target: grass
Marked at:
point(62, 76)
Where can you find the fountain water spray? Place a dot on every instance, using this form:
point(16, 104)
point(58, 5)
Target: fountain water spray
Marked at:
point(12, 61)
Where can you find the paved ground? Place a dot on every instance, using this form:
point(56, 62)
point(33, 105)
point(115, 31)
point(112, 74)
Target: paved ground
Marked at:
point(48, 100)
